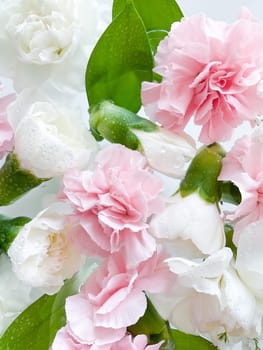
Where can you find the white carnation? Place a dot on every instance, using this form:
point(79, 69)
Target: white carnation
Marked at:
point(42, 41)
point(45, 31)
point(209, 298)
point(190, 220)
point(42, 254)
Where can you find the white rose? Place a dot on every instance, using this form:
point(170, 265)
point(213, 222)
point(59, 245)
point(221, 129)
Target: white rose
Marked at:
point(167, 152)
point(50, 138)
point(191, 220)
point(42, 253)
point(38, 37)
point(15, 296)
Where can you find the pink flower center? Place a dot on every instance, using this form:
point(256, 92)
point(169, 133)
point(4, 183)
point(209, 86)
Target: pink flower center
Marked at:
point(221, 80)
point(215, 77)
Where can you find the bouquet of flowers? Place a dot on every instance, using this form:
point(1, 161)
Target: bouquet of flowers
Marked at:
point(118, 228)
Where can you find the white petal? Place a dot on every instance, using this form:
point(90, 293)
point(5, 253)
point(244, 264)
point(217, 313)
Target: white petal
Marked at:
point(203, 276)
point(167, 152)
point(190, 218)
point(240, 313)
point(249, 262)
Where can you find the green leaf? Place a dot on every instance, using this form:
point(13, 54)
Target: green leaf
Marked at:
point(155, 36)
point(156, 329)
point(185, 341)
point(120, 62)
point(37, 326)
point(14, 181)
point(150, 323)
point(157, 16)
point(9, 228)
point(115, 124)
point(202, 174)
point(230, 192)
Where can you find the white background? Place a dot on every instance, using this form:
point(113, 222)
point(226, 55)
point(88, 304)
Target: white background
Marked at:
point(226, 10)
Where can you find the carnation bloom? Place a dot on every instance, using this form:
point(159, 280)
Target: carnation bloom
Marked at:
point(49, 137)
point(6, 132)
point(212, 70)
point(243, 165)
point(42, 254)
point(137, 343)
point(209, 298)
point(112, 203)
point(113, 298)
point(65, 341)
point(40, 40)
point(190, 223)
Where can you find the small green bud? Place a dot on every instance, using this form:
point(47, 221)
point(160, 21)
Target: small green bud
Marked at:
point(203, 172)
point(115, 124)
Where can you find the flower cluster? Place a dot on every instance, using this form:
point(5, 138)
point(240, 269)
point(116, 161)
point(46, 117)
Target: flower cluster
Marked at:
point(147, 239)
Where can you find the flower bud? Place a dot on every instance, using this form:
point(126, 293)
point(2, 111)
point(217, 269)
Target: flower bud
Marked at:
point(167, 152)
point(116, 124)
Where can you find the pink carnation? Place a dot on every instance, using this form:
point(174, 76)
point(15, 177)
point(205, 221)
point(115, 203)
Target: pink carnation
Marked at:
point(212, 70)
point(6, 132)
point(65, 341)
point(113, 298)
point(137, 343)
point(112, 203)
point(243, 165)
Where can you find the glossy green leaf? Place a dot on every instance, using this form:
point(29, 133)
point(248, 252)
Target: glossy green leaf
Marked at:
point(150, 323)
point(9, 228)
point(115, 124)
point(156, 14)
point(155, 36)
point(14, 181)
point(120, 62)
point(37, 326)
point(230, 192)
point(202, 174)
point(185, 341)
point(157, 329)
